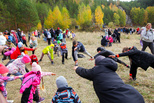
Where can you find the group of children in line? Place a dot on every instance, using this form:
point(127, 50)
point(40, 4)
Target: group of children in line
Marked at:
point(31, 79)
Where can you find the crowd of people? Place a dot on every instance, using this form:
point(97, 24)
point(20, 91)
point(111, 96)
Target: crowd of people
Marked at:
point(108, 86)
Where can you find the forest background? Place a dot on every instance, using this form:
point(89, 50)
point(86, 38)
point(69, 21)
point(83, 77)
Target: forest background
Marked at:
point(87, 14)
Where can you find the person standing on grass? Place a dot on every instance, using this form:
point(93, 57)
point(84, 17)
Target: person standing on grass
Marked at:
point(49, 51)
point(33, 43)
point(137, 59)
point(108, 86)
point(49, 37)
point(147, 37)
point(64, 51)
point(78, 47)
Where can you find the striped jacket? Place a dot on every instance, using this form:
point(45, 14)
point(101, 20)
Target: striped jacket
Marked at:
point(65, 95)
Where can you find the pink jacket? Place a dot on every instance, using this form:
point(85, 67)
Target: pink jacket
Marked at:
point(110, 39)
point(8, 53)
point(30, 78)
point(5, 79)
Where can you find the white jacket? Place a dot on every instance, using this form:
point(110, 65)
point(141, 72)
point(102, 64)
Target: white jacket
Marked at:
point(147, 36)
point(2, 40)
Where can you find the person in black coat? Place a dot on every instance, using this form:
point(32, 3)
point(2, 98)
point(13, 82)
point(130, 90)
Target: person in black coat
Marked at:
point(104, 41)
point(117, 34)
point(108, 86)
point(102, 51)
point(137, 58)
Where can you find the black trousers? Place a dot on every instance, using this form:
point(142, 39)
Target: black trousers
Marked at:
point(150, 45)
point(26, 93)
point(64, 55)
point(49, 41)
point(133, 70)
point(24, 42)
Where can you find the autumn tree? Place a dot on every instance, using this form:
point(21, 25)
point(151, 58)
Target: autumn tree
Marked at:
point(66, 21)
point(145, 17)
point(48, 23)
point(99, 16)
point(84, 16)
point(39, 26)
point(122, 18)
point(135, 14)
point(150, 11)
point(116, 18)
point(57, 17)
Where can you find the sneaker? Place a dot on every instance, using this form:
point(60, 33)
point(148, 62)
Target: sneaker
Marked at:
point(62, 62)
point(41, 99)
point(10, 101)
point(52, 62)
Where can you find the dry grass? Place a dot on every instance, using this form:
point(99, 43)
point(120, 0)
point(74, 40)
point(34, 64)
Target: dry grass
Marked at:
point(84, 88)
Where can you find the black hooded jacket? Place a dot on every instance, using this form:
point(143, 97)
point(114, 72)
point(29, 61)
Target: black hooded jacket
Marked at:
point(140, 58)
point(108, 85)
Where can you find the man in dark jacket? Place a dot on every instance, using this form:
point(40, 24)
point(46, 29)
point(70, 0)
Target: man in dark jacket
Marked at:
point(78, 47)
point(117, 34)
point(102, 51)
point(137, 58)
point(107, 84)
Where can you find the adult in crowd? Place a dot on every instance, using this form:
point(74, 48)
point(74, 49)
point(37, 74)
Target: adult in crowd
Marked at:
point(19, 34)
point(103, 52)
point(137, 59)
point(2, 39)
point(117, 34)
point(109, 31)
point(78, 47)
point(108, 86)
point(147, 37)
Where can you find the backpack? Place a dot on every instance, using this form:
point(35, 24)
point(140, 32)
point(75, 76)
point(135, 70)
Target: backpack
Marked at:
point(33, 58)
point(65, 96)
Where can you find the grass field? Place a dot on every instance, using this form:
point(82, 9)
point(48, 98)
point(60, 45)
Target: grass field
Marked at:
point(84, 88)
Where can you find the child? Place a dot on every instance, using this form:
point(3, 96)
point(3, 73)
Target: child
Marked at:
point(137, 59)
point(56, 47)
point(104, 41)
point(20, 48)
point(17, 67)
point(64, 51)
point(3, 78)
point(36, 67)
point(64, 93)
point(30, 85)
point(33, 43)
point(78, 47)
point(73, 35)
point(110, 39)
point(24, 39)
point(49, 51)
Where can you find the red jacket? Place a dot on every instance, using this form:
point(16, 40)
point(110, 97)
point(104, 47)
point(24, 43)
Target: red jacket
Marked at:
point(17, 52)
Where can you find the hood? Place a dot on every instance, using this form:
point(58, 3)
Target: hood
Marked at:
point(107, 62)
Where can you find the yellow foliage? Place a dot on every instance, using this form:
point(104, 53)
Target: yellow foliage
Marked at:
point(66, 21)
point(48, 23)
point(110, 6)
point(145, 17)
point(39, 26)
point(103, 6)
point(99, 16)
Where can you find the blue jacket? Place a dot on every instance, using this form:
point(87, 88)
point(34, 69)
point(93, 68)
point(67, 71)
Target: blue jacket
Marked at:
point(65, 95)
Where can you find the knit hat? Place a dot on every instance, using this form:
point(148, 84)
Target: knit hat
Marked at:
point(26, 59)
point(3, 69)
point(58, 41)
point(36, 67)
point(20, 44)
point(100, 49)
point(61, 82)
point(98, 59)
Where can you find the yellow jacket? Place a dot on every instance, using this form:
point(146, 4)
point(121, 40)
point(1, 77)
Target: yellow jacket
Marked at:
point(48, 49)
